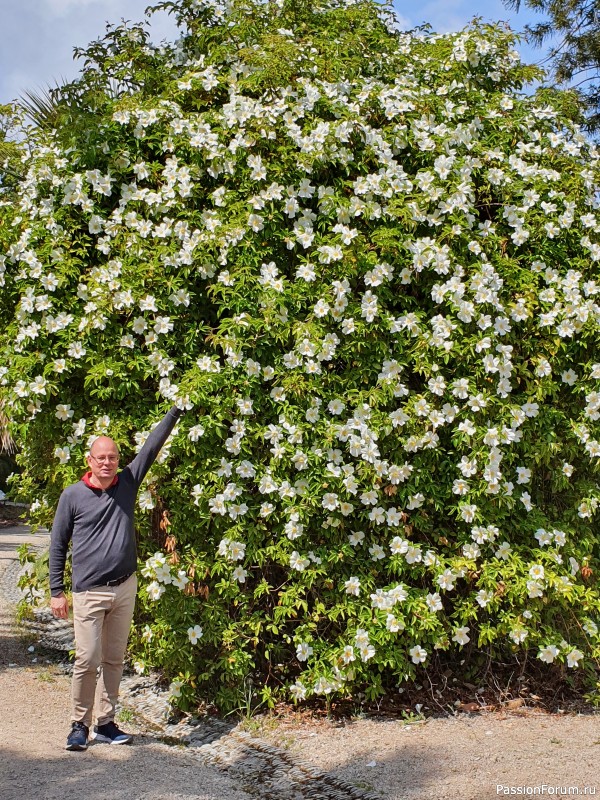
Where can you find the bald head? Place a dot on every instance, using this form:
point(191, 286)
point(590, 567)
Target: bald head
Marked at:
point(104, 445)
point(103, 461)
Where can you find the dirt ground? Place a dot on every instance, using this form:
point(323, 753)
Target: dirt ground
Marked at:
point(472, 757)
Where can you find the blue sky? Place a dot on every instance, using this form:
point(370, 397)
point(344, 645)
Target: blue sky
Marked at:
point(38, 36)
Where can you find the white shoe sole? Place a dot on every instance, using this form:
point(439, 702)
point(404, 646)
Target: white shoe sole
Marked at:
point(98, 737)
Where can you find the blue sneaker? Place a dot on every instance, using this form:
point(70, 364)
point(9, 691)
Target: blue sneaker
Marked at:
point(110, 734)
point(78, 738)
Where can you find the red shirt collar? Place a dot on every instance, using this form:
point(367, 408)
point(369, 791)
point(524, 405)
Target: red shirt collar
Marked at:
point(86, 480)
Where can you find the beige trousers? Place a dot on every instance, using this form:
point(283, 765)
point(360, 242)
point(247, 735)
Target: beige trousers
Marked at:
point(102, 619)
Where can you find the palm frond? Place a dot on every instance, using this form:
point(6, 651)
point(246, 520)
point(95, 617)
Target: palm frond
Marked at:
point(7, 444)
point(41, 108)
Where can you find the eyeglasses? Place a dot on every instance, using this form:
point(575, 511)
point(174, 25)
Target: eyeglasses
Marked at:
point(105, 459)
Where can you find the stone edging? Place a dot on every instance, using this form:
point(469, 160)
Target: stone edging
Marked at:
point(264, 771)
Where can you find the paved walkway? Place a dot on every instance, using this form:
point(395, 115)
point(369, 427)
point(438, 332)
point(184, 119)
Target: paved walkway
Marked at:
point(13, 537)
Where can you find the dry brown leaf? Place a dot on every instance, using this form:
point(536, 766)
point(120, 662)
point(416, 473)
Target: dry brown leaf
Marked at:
point(512, 705)
point(469, 708)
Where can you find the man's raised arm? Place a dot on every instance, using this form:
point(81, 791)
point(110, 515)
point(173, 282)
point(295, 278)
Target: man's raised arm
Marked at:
point(147, 455)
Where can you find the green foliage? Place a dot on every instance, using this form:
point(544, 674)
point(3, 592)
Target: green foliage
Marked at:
point(368, 268)
point(10, 149)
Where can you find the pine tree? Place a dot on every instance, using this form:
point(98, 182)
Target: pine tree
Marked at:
point(573, 26)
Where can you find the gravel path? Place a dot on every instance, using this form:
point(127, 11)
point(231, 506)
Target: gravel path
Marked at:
point(473, 757)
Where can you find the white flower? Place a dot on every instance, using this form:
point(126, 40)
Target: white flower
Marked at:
point(195, 634)
point(352, 586)
point(162, 573)
point(330, 501)
point(446, 580)
point(366, 652)
point(63, 454)
point(377, 552)
point(63, 411)
point(38, 385)
point(180, 580)
point(504, 550)
point(234, 551)
point(303, 651)
point(393, 624)
point(175, 688)
point(145, 500)
point(297, 562)
point(76, 350)
point(460, 486)
point(471, 551)
point(548, 653)
point(195, 433)
point(483, 597)
point(434, 602)
point(298, 691)
point(518, 635)
point(155, 590)
point(537, 572)
point(278, 394)
point(460, 636)
point(544, 537)
point(321, 309)
point(245, 406)
point(573, 658)
point(361, 637)
point(413, 554)
point(239, 574)
point(355, 538)
point(336, 407)
point(526, 500)
point(347, 655)
point(569, 377)
point(418, 654)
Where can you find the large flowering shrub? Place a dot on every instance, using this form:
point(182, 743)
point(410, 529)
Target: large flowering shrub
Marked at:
point(368, 267)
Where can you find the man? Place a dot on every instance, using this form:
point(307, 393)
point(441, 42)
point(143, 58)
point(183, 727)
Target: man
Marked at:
point(96, 514)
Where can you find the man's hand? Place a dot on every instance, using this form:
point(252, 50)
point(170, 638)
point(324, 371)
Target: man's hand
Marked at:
point(60, 606)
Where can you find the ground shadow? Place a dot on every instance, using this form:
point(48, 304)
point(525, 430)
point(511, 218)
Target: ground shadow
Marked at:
point(145, 770)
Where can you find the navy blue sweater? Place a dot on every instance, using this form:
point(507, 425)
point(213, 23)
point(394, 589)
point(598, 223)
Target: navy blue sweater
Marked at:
point(100, 521)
